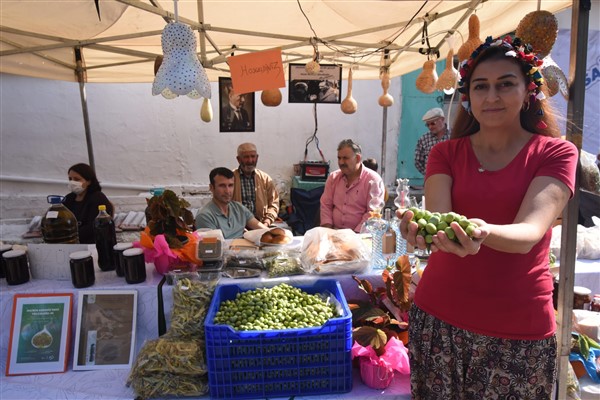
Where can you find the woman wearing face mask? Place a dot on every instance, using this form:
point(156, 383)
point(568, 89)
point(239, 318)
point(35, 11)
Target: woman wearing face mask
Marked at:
point(85, 197)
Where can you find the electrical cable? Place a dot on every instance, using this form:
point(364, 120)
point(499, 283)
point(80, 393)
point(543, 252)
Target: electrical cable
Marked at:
point(359, 54)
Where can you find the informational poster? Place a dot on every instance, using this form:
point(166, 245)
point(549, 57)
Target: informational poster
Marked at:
point(105, 335)
point(39, 334)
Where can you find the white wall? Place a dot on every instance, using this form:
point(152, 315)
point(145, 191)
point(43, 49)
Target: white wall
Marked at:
point(141, 140)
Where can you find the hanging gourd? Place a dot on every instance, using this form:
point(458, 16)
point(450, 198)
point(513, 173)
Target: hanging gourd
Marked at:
point(313, 67)
point(447, 78)
point(539, 29)
point(349, 105)
point(271, 97)
point(385, 100)
point(427, 78)
point(206, 113)
point(473, 41)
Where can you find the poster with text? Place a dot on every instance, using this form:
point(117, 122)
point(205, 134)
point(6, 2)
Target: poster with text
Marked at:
point(39, 334)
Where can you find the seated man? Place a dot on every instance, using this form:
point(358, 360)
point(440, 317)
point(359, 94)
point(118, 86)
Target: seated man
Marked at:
point(221, 213)
point(345, 201)
point(254, 188)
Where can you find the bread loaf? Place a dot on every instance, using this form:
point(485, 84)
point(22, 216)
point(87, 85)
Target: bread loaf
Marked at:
point(275, 236)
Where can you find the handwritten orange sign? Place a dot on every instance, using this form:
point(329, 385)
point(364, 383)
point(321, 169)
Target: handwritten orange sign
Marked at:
point(256, 71)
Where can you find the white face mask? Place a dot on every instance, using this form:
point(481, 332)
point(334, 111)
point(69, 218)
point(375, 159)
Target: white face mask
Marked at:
point(76, 187)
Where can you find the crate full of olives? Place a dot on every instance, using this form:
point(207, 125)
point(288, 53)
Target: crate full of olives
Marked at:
point(278, 340)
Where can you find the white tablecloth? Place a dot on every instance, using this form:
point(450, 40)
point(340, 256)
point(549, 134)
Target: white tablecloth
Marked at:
point(110, 384)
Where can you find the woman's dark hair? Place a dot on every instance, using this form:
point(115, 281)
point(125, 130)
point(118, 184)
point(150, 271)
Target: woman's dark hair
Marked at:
point(538, 111)
point(88, 174)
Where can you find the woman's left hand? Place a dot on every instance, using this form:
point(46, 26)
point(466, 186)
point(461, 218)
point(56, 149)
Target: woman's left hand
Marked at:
point(466, 245)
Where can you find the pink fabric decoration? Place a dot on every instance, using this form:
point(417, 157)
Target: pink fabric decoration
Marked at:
point(161, 255)
point(395, 356)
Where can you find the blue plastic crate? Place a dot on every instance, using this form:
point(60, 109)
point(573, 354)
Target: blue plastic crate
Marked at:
point(255, 364)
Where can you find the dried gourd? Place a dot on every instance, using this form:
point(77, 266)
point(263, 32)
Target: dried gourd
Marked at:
point(447, 78)
point(473, 41)
point(427, 79)
point(349, 105)
point(206, 113)
point(312, 67)
point(539, 29)
point(271, 97)
point(386, 99)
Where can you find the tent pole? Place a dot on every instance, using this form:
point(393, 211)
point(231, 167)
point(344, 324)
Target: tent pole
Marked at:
point(202, 40)
point(579, 41)
point(84, 108)
point(383, 143)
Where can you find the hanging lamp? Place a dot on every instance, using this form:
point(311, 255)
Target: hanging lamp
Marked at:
point(180, 72)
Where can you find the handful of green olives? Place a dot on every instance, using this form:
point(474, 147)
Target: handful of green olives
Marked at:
point(280, 307)
point(431, 223)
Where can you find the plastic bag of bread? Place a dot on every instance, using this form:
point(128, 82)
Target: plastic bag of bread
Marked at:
point(328, 251)
point(269, 237)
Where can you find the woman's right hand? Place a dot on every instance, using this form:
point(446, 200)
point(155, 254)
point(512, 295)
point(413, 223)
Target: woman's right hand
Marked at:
point(409, 229)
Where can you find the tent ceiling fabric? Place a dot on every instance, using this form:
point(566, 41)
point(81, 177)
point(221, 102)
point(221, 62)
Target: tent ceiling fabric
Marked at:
point(38, 37)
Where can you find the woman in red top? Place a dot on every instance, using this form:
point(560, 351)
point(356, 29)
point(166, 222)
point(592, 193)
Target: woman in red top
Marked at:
point(482, 324)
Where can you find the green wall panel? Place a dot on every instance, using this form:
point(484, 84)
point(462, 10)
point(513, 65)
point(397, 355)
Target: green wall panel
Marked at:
point(414, 105)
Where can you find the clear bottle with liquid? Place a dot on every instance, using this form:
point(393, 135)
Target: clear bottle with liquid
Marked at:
point(389, 238)
point(59, 224)
point(376, 225)
point(105, 238)
point(402, 202)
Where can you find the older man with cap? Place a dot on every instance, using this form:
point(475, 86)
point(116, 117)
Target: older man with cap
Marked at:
point(438, 132)
point(254, 188)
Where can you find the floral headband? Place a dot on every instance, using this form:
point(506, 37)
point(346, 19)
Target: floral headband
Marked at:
point(514, 48)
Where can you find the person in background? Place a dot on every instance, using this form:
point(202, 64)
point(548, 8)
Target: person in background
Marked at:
point(231, 217)
point(234, 117)
point(438, 131)
point(371, 163)
point(482, 324)
point(84, 198)
point(328, 93)
point(345, 200)
point(254, 188)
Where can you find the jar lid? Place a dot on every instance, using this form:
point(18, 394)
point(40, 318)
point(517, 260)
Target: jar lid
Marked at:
point(122, 246)
point(580, 290)
point(133, 252)
point(13, 253)
point(5, 247)
point(78, 255)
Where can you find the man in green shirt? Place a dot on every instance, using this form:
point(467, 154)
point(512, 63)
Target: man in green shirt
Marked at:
point(231, 217)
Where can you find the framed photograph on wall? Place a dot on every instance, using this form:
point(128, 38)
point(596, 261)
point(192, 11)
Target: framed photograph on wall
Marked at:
point(105, 334)
point(40, 334)
point(324, 87)
point(236, 111)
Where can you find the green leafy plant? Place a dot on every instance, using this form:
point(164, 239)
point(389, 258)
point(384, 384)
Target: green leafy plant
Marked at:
point(167, 214)
point(385, 314)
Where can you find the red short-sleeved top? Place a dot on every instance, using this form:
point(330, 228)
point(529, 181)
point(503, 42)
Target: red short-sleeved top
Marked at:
point(495, 293)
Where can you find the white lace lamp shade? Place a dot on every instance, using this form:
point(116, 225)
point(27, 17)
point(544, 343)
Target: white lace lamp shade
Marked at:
point(180, 72)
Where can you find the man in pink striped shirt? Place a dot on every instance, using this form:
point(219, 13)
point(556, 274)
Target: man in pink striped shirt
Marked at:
point(345, 201)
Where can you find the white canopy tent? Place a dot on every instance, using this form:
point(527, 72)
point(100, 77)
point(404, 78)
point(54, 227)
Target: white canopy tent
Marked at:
point(39, 37)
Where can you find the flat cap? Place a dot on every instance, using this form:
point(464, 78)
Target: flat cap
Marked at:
point(433, 113)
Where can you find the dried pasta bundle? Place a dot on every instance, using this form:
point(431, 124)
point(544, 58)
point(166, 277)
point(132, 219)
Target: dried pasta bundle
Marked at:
point(175, 364)
point(191, 300)
point(169, 367)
